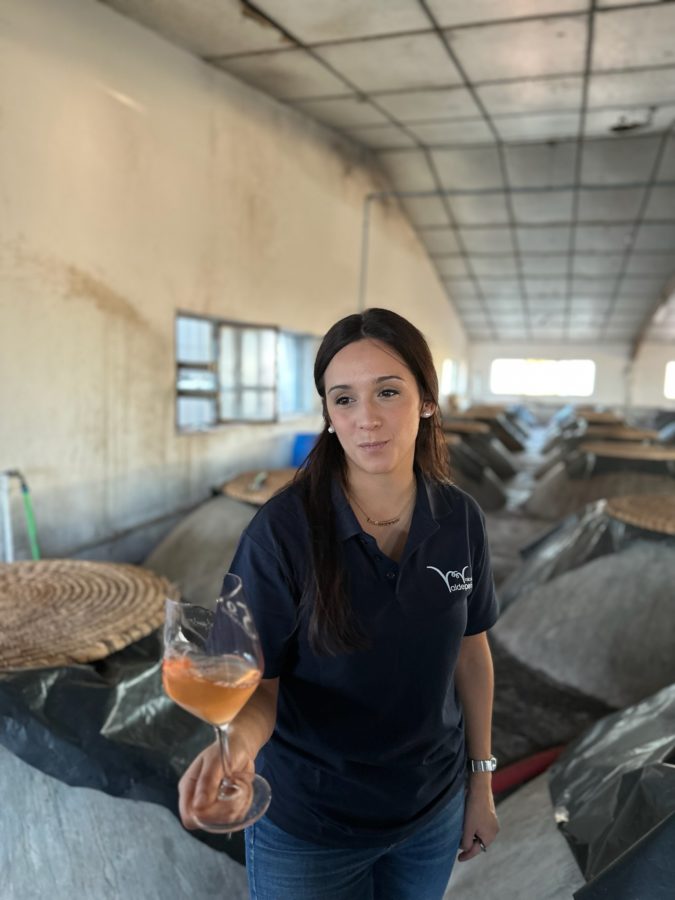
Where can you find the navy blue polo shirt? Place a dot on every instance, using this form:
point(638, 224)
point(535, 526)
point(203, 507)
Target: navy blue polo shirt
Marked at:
point(368, 745)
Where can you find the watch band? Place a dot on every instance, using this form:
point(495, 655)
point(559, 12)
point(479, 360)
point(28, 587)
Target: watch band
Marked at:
point(483, 765)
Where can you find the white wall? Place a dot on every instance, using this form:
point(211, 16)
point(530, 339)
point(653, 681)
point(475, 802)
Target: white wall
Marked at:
point(135, 181)
point(617, 382)
point(649, 373)
point(610, 374)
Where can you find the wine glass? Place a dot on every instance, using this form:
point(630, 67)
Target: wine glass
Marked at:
point(212, 664)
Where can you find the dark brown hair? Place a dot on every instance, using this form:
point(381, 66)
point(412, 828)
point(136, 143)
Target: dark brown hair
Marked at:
point(332, 627)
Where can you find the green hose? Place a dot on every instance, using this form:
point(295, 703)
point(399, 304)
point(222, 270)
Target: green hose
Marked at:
point(30, 522)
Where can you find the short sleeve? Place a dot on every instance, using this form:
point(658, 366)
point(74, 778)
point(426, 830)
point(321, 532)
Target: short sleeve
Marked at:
point(270, 598)
point(483, 608)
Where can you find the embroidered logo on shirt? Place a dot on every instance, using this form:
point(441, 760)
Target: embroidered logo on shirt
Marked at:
point(463, 581)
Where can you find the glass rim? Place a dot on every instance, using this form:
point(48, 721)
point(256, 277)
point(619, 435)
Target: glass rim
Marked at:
point(221, 598)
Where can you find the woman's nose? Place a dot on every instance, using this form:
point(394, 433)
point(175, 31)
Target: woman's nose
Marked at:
point(370, 416)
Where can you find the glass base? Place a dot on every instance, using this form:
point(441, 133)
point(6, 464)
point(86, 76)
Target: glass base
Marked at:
point(236, 807)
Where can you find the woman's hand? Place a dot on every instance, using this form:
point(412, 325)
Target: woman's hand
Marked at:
point(198, 789)
point(480, 818)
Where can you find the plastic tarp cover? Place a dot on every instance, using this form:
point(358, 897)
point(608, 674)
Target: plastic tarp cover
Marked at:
point(646, 866)
point(612, 789)
point(578, 539)
point(107, 725)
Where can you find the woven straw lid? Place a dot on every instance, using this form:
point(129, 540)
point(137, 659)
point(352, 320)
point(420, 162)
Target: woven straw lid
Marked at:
point(478, 410)
point(484, 413)
point(257, 487)
point(56, 612)
point(601, 418)
point(466, 426)
point(627, 450)
point(655, 512)
point(620, 433)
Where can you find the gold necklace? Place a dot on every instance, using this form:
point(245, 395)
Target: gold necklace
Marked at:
point(381, 523)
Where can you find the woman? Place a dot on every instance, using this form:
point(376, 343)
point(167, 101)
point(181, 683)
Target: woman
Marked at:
point(370, 584)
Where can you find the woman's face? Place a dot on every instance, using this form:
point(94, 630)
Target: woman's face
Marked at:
point(374, 405)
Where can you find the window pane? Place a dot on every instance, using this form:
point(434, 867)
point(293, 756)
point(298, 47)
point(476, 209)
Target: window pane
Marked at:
point(257, 405)
point(268, 357)
point(297, 393)
point(289, 373)
point(312, 402)
point(194, 340)
point(193, 413)
point(227, 362)
point(196, 380)
point(449, 377)
point(250, 356)
point(229, 404)
point(543, 377)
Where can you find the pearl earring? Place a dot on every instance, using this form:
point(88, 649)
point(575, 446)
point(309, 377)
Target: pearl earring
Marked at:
point(425, 415)
point(331, 430)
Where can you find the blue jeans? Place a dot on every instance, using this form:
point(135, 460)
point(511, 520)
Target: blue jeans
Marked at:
point(283, 867)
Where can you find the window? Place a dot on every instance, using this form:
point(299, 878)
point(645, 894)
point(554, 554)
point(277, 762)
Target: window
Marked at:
point(449, 377)
point(224, 372)
point(297, 394)
point(196, 387)
point(232, 372)
point(543, 377)
point(247, 362)
point(669, 383)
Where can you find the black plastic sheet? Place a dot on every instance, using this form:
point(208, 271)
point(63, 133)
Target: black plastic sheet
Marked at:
point(107, 726)
point(647, 869)
point(584, 464)
point(614, 795)
point(578, 539)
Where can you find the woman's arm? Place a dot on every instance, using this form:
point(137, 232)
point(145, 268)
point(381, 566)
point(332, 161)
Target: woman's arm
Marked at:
point(249, 732)
point(474, 677)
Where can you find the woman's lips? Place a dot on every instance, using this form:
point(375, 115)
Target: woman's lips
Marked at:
point(373, 445)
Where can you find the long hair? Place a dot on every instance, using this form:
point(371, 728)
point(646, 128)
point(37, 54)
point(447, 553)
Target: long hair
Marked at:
point(332, 626)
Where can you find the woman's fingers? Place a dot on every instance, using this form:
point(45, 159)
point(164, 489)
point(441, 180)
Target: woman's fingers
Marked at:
point(186, 791)
point(199, 790)
point(199, 785)
point(473, 849)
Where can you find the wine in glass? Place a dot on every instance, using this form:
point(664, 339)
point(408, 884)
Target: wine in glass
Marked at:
point(212, 664)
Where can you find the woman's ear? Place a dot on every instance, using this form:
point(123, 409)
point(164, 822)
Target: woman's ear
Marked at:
point(428, 408)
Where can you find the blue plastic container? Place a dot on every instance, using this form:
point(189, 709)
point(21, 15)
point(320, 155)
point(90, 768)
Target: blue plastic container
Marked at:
point(302, 444)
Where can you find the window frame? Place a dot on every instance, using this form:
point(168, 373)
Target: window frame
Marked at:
point(216, 323)
point(240, 328)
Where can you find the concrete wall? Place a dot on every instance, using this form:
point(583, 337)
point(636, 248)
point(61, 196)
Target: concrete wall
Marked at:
point(649, 373)
point(135, 181)
point(616, 382)
point(610, 378)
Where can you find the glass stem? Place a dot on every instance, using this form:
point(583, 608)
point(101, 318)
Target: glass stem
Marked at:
point(227, 787)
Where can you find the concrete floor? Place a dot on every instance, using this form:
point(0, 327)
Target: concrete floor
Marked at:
point(62, 842)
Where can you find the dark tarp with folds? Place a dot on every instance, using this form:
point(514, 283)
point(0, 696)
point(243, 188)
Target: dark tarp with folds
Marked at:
point(471, 474)
point(614, 794)
point(578, 539)
point(107, 725)
point(576, 639)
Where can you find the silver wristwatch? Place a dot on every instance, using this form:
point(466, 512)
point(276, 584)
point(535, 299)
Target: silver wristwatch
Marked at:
point(483, 765)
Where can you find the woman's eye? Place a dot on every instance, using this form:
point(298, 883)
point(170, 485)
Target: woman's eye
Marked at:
point(389, 392)
point(342, 401)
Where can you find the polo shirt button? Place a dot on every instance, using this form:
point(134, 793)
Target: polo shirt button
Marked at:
point(391, 574)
